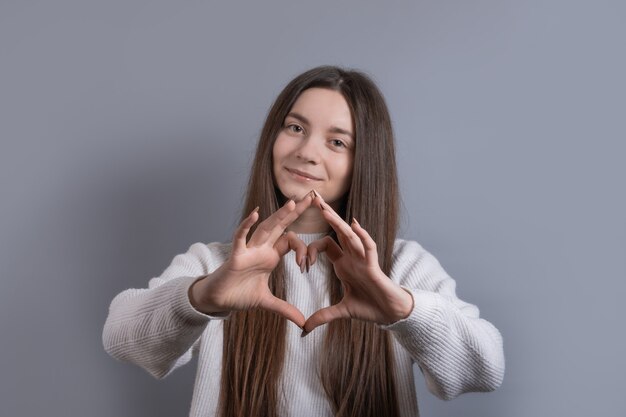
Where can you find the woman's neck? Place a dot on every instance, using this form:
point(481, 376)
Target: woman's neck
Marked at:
point(310, 221)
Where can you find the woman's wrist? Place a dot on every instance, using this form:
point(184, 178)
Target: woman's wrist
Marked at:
point(199, 297)
point(402, 306)
point(408, 304)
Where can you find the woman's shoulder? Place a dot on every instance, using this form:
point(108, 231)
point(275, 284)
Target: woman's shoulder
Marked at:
point(403, 248)
point(415, 267)
point(410, 258)
point(210, 252)
point(200, 258)
point(211, 248)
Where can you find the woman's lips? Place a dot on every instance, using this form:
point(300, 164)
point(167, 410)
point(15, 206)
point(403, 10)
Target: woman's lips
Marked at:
point(301, 176)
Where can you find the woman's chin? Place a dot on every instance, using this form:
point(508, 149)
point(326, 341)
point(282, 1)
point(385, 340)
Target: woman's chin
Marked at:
point(296, 191)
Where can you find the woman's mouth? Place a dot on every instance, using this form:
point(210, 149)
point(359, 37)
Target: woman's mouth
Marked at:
point(302, 176)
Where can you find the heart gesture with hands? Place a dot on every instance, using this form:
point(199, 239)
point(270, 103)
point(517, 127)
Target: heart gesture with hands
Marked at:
point(241, 283)
point(368, 293)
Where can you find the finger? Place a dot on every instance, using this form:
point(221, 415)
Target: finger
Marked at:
point(326, 244)
point(265, 228)
point(325, 207)
point(290, 241)
point(274, 226)
point(239, 239)
point(324, 316)
point(352, 243)
point(330, 215)
point(303, 204)
point(349, 241)
point(284, 309)
point(371, 251)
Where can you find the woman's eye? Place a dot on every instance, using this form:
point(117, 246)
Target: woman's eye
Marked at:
point(295, 128)
point(337, 143)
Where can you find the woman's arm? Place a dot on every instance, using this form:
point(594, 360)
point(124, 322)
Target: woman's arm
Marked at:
point(156, 327)
point(456, 350)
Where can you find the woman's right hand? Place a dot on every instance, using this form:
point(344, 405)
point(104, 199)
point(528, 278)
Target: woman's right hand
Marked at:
point(241, 283)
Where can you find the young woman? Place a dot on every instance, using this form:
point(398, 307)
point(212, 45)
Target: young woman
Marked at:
point(316, 246)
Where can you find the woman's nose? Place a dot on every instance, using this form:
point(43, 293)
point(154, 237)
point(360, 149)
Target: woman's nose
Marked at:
point(308, 151)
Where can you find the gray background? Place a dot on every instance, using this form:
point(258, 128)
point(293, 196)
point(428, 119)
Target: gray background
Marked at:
point(126, 133)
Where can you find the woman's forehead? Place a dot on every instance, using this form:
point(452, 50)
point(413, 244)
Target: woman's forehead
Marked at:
point(323, 107)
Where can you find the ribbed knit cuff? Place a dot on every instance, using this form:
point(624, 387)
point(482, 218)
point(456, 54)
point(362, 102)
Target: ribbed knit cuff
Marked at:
point(426, 311)
point(183, 309)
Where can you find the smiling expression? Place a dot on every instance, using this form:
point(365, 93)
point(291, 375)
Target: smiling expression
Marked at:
point(315, 146)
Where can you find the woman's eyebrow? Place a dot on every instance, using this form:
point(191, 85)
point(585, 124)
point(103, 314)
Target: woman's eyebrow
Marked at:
point(299, 117)
point(333, 129)
point(339, 130)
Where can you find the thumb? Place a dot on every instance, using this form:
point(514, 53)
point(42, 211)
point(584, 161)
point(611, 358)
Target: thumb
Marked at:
point(284, 309)
point(324, 316)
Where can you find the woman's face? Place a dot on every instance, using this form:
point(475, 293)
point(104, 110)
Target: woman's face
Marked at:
point(315, 146)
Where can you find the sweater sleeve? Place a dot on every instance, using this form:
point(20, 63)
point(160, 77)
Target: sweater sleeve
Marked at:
point(456, 350)
point(157, 328)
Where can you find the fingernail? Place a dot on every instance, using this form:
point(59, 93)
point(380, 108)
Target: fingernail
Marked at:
point(322, 206)
point(304, 333)
point(307, 264)
point(354, 221)
point(302, 266)
point(255, 210)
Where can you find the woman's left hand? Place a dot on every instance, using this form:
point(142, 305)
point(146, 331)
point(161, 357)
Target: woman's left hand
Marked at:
point(368, 294)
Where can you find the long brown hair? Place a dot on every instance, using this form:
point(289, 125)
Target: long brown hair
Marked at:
point(357, 360)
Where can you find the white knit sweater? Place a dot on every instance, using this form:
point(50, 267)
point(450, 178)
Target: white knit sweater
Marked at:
point(158, 329)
